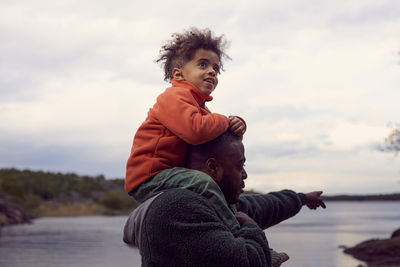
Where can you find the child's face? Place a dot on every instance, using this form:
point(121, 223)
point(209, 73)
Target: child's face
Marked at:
point(201, 71)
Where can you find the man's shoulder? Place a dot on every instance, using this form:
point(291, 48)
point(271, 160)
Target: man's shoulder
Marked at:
point(180, 197)
point(180, 205)
point(166, 210)
point(184, 215)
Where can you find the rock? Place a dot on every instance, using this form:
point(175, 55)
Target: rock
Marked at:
point(396, 234)
point(378, 252)
point(12, 213)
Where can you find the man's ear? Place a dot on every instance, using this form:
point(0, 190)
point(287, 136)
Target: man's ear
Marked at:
point(213, 169)
point(177, 74)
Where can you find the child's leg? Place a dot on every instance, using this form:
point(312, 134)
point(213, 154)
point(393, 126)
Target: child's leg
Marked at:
point(193, 180)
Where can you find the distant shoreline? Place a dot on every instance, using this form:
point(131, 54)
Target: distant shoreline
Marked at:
point(349, 197)
point(376, 197)
point(26, 194)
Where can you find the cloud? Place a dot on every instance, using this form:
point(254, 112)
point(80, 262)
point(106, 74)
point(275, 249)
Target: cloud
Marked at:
point(332, 171)
point(79, 158)
point(315, 82)
point(347, 135)
point(371, 13)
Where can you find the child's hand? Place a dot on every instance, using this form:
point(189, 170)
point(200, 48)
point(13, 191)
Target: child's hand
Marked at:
point(237, 126)
point(313, 200)
point(243, 218)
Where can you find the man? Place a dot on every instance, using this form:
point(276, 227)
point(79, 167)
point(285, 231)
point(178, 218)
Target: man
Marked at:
point(182, 227)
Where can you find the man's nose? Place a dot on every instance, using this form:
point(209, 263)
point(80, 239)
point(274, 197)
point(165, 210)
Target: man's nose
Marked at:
point(244, 175)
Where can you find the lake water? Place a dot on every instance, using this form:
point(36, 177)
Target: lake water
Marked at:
point(311, 238)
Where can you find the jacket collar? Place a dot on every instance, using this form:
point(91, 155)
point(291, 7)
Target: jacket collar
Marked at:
point(199, 96)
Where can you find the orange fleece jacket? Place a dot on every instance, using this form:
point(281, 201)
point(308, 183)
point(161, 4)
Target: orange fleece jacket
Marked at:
point(178, 118)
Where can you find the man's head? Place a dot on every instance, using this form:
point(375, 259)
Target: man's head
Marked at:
point(223, 159)
point(194, 56)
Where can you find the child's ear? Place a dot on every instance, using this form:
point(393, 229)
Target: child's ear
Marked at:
point(177, 74)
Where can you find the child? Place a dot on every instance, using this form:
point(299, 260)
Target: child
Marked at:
point(192, 61)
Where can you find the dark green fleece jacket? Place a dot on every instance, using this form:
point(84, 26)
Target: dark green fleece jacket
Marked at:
point(182, 228)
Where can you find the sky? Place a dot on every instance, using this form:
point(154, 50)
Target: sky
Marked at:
point(316, 81)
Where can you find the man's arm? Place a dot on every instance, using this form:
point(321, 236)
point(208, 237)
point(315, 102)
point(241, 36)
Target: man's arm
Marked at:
point(272, 208)
point(182, 229)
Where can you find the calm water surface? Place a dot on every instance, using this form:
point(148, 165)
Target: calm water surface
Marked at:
point(311, 238)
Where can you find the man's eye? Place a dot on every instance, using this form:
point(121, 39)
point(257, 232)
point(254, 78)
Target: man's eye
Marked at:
point(216, 69)
point(203, 65)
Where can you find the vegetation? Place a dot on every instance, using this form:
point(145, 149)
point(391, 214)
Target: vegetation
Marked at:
point(392, 142)
point(56, 194)
point(47, 193)
point(116, 201)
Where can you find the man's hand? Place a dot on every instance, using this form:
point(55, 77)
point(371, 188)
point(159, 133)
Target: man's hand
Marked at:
point(243, 218)
point(237, 126)
point(313, 200)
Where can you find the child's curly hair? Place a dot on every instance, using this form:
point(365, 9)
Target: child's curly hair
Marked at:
point(178, 51)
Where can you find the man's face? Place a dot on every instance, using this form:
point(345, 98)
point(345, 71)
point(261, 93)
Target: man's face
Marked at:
point(232, 173)
point(202, 70)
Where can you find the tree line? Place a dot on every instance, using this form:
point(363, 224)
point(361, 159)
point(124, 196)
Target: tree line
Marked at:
point(31, 188)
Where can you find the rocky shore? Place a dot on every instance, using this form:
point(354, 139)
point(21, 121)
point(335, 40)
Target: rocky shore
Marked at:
point(378, 252)
point(12, 213)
